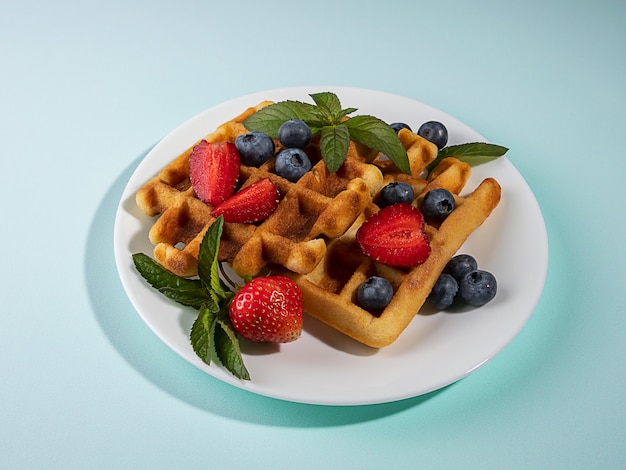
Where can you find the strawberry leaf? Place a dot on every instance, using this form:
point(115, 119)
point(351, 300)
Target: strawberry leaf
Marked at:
point(377, 134)
point(189, 292)
point(334, 143)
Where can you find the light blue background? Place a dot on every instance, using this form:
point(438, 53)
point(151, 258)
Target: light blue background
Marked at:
point(88, 87)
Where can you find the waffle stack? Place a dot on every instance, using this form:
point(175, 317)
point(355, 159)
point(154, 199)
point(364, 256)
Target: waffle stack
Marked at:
point(311, 235)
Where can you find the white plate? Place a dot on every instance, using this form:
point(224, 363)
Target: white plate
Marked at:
point(323, 366)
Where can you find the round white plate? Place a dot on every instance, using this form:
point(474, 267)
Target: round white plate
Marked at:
point(323, 366)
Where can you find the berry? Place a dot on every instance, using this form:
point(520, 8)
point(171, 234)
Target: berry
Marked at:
point(294, 133)
point(292, 163)
point(395, 236)
point(396, 126)
point(437, 204)
point(478, 287)
point(435, 132)
point(396, 192)
point(268, 310)
point(374, 294)
point(255, 148)
point(213, 171)
point(444, 292)
point(252, 204)
point(460, 265)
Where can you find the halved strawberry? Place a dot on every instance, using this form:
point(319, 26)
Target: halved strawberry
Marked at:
point(213, 171)
point(251, 204)
point(268, 310)
point(395, 236)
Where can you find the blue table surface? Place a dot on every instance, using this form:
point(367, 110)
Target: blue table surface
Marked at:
point(87, 88)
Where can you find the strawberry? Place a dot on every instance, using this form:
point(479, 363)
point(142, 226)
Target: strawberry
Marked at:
point(268, 309)
point(213, 171)
point(395, 236)
point(251, 204)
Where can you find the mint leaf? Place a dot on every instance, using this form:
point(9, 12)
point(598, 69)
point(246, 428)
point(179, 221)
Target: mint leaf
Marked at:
point(334, 143)
point(227, 349)
point(329, 107)
point(327, 113)
point(208, 264)
point(200, 336)
point(212, 336)
point(377, 134)
point(270, 118)
point(189, 292)
point(473, 153)
point(329, 103)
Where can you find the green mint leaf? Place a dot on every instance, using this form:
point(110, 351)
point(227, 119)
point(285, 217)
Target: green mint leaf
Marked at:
point(212, 336)
point(189, 292)
point(377, 134)
point(479, 151)
point(208, 264)
point(227, 348)
point(327, 113)
point(200, 336)
point(270, 118)
point(334, 143)
point(473, 153)
point(344, 113)
point(330, 106)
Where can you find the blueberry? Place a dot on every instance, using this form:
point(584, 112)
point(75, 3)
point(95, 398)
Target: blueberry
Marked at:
point(435, 132)
point(444, 292)
point(396, 126)
point(255, 148)
point(478, 287)
point(374, 294)
point(437, 204)
point(396, 192)
point(294, 133)
point(460, 265)
point(292, 163)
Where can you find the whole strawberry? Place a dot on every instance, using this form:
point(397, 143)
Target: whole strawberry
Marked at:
point(268, 310)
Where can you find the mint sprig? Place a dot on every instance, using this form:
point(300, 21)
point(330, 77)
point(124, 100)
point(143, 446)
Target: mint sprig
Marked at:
point(473, 153)
point(212, 334)
point(326, 117)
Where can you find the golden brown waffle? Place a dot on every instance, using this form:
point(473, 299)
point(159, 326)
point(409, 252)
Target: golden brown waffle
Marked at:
point(311, 235)
point(320, 206)
point(330, 290)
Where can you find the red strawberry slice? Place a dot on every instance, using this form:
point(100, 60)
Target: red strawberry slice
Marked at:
point(395, 236)
point(268, 310)
point(252, 204)
point(213, 171)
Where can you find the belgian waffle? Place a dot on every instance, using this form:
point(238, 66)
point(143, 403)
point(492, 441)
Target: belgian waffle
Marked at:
point(330, 290)
point(311, 235)
point(320, 206)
